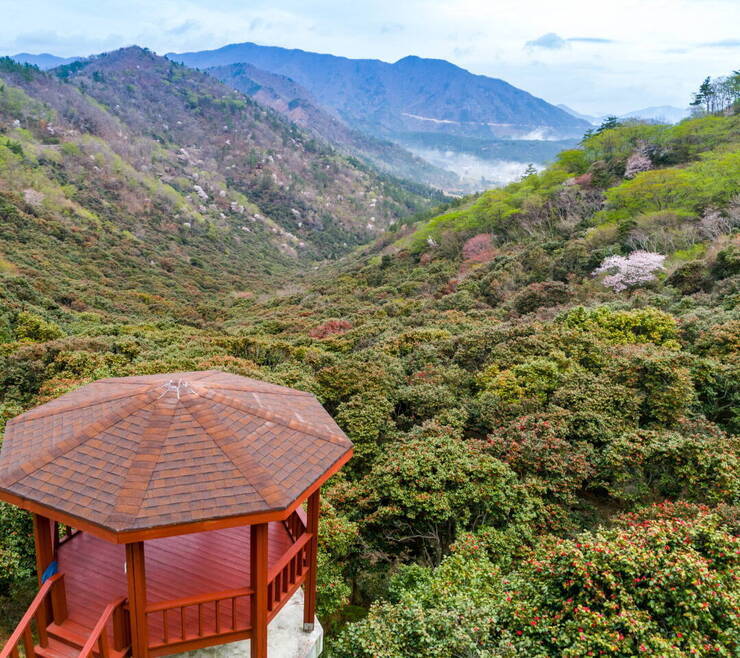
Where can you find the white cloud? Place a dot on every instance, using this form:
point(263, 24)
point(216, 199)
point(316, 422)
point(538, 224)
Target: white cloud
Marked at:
point(550, 41)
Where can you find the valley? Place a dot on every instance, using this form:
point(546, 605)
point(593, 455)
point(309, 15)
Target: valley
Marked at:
point(540, 377)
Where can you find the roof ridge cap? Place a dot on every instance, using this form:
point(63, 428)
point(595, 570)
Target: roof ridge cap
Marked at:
point(15, 473)
point(306, 428)
point(29, 415)
point(288, 391)
point(123, 513)
point(190, 403)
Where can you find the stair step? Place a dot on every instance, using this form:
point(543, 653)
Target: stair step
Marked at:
point(72, 637)
point(57, 649)
point(69, 633)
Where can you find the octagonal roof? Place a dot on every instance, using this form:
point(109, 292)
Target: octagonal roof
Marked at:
point(135, 454)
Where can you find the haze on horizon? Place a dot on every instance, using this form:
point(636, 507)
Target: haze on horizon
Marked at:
point(597, 58)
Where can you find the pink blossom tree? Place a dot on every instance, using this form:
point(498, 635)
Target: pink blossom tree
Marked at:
point(636, 164)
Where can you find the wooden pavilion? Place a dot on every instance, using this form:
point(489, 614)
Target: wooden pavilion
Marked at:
point(167, 512)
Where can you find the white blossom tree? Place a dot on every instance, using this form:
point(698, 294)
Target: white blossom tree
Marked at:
point(623, 272)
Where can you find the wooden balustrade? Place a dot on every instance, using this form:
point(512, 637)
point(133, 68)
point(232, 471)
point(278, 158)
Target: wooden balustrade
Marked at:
point(37, 612)
point(287, 575)
point(67, 533)
point(295, 524)
point(98, 644)
point(175, 625)
point(219, 614)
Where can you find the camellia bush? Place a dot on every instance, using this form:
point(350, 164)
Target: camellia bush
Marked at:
point(665, 587)
point(661, 583)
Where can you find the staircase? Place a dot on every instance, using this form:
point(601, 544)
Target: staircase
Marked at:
point(68, 640)
point(64, 638)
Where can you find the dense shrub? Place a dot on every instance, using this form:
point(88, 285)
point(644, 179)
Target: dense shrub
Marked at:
point(695, 462)
point(429, 487)
point(727, 262)
point(661, 380)
point(32, 327)
point(538, 446)
point(536, 295)
point(690, 278)
point(17, 562)
point(663, 584)
point(648, 325)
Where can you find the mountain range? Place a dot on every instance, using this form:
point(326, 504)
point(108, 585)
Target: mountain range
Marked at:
point(412, 94)
point(425, 120)
point(44, 61)
point(286, 96)
point(657, 114)
point(468, 124)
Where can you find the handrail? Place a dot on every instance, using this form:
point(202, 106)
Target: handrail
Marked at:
point(288, 574)
point(195, 600)
point(224, 604)
point(295, 524)
point(100, 631)
point(23, 630)
point(289, 555)
point(69, 533)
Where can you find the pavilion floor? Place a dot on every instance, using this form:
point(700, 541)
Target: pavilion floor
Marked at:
point(176, 567)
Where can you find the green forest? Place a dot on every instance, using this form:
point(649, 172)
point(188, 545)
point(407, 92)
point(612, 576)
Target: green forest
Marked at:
point(542, 382)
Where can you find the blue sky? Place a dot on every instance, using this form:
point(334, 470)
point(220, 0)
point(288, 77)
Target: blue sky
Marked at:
point(598, 57)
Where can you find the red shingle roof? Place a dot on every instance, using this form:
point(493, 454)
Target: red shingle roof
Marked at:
point(137, 453)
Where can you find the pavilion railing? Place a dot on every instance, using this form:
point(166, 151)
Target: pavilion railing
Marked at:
point(214, 615)
point(38, 612)
point(295, 524)
point(63, 533)
point(287, 575)
point(98, 644)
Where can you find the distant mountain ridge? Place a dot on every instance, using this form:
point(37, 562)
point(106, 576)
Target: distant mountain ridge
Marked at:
point(294, 101)
point(411, 95)
point(659, 114)
point(44, 61)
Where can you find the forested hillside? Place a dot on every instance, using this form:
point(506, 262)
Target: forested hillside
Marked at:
point(541, 383)
point(155, 180)
point(298, 104)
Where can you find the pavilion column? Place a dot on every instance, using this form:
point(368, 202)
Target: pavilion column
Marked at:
point(258, 570)
point(309, 589)
point(55, 607)
point(136, 572)
point(44, 543)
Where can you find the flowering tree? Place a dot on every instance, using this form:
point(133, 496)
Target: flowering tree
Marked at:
point(625, 272)
point(636, 164)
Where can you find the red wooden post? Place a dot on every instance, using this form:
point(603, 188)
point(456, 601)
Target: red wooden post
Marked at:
point(43, 541)
point(137, 599)
point(309, 589)
point(44, 555)
point(121, 628)
point(258, 564)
